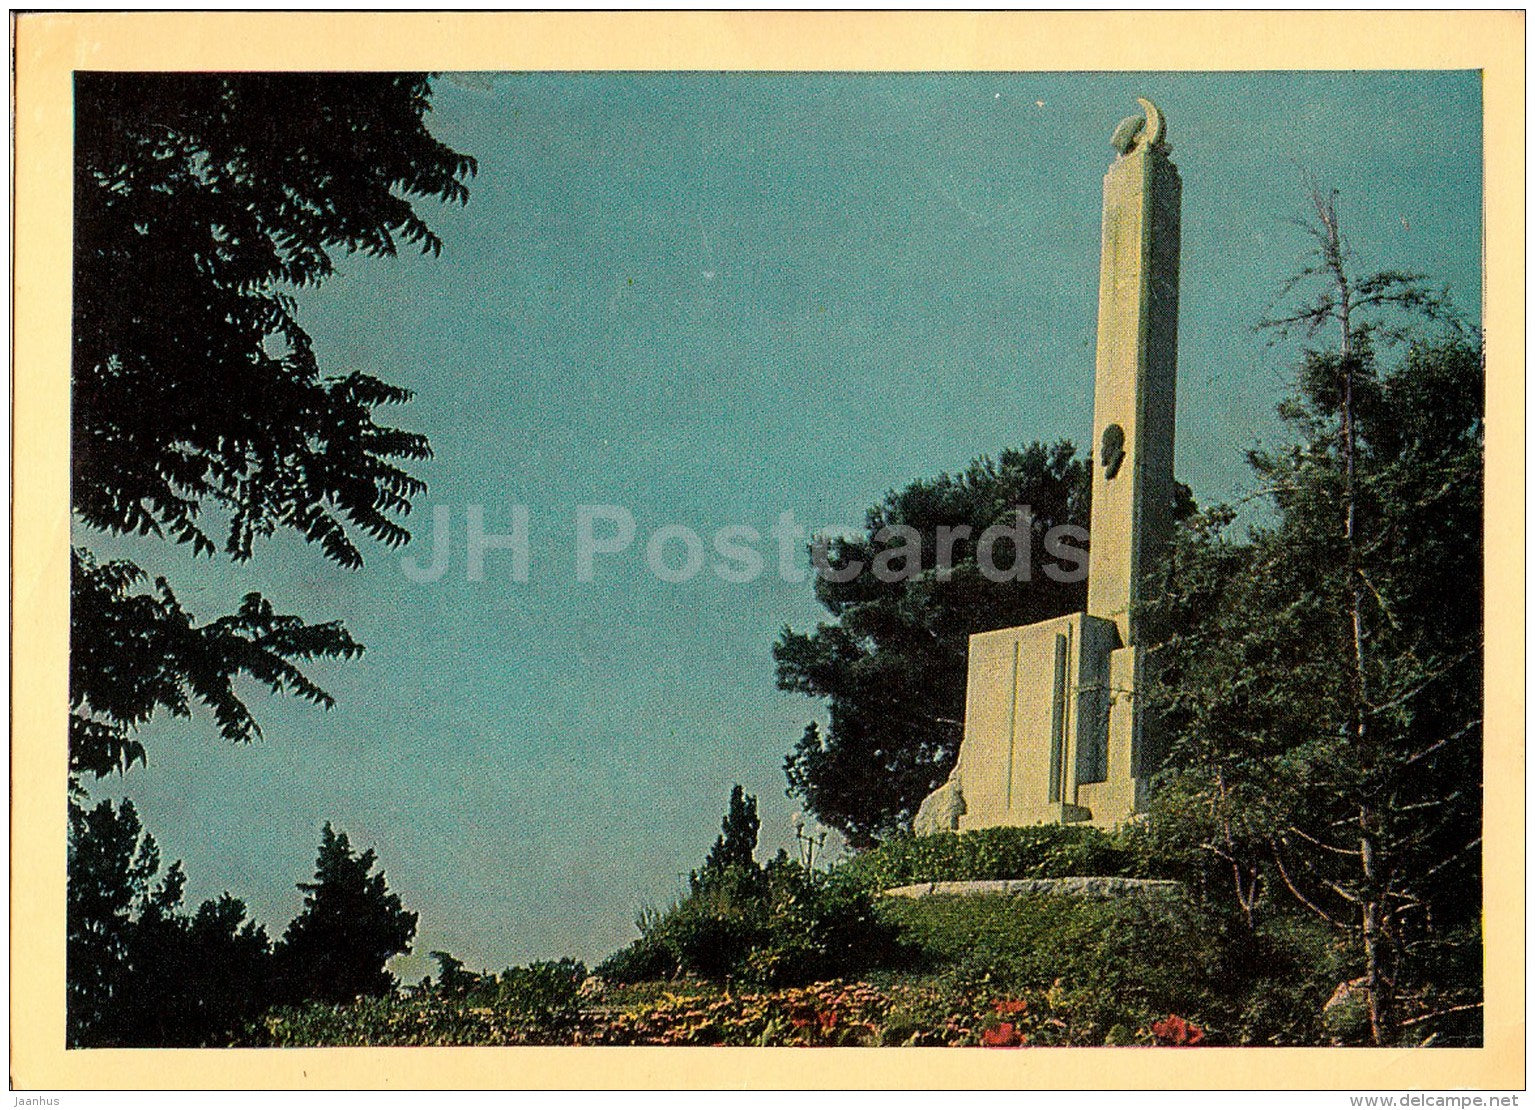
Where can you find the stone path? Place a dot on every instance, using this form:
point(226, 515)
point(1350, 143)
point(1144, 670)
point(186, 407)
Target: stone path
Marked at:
point(1088, 886)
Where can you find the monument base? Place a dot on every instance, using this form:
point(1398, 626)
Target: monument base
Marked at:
point(1051, 732)
point(1051, 813)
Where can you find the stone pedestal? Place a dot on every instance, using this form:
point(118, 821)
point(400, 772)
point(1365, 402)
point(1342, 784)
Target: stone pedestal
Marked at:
point(1036, 722)
point(1052, 735)
point(1123, 790)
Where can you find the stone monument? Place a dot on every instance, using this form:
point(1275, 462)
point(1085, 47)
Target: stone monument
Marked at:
point(1053, 732)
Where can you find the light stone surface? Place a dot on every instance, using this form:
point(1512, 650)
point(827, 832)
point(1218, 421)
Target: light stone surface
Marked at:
point(1053, 730)
point(942, 809)
point(1124, 791)
point(1136, 384)
point(1086, 886)
point(1035, 719)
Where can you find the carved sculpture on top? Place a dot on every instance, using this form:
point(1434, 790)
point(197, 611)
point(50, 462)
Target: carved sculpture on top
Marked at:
point(1148, 130)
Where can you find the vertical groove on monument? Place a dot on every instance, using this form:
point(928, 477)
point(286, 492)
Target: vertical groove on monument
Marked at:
point(1053, 735)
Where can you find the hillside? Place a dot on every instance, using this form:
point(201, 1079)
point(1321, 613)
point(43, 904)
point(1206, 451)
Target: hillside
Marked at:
point(779, 955)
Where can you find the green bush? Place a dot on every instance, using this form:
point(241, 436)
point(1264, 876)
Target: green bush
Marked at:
point(764, 926)
point(818, 927)
point(1029, 969)
point(547, 990)
point(640, 961)
point(643, 960)
point(825, 1014)
point(1094, 964)
point(536, 1004)
point(426, 1019)
point(711, 932)
point(1288, 967)
point(1035, 852)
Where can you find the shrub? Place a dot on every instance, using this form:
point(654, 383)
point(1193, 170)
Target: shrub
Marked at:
point(536, 1004)
point(818, 927)
point(1038, 851)
point(427, 1019)
point(767, 926)
point(1090, 965)
point(452, 980)
point(644, 959)
point(1289, 967)
point(546, 990)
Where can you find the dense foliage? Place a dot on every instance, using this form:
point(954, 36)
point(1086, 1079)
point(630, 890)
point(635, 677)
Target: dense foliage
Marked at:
point(1035, 852)
point(132, 653)
point(1322, 684)
point(833, 1013)
point(351, 926)
point(202, 200)
point(1004, 972)
point(737, 843)
point(141, 971)
point(536, 1004)
point(744, 922)
point(730, 964)
point(1120, 962)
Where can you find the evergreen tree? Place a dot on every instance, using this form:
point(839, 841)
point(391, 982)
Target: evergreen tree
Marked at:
point(350, 927)
point(736, 845)
point(112, 867)
point(730, 870)
point(453, 981)
point(1323, 683)
point(891, 663)
point(140, 971)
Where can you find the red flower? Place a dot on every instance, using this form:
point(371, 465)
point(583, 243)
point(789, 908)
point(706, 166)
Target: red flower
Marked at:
point(1005, 1035)
point(1177, 1032)
point(827, 1018)
point(1005, 1007)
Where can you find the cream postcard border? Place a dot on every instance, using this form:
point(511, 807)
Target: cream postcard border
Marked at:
point(48, 47)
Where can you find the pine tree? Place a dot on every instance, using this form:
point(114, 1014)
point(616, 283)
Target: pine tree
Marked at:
point(736, 845)
point(141, 971)
point(350, 927)
point(891, 660)
point(1323, 683)
point(112, 868)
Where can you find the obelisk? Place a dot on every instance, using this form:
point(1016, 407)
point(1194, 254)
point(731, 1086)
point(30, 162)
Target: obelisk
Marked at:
point(1136, 387)
point(1054, 732)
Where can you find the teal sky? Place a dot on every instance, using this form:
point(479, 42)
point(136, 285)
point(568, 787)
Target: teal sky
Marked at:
point(711, 299)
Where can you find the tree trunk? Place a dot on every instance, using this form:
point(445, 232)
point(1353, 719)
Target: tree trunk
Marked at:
point(1371, 905)
point(1376, 941)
